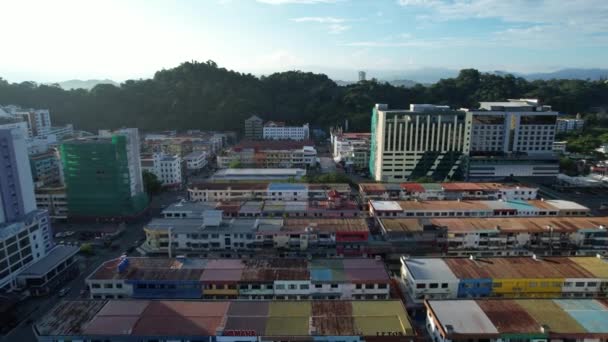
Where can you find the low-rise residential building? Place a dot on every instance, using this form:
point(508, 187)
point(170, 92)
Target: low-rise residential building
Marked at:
point(512, 277)
point(569, 125)
point(461, 208)
point(275, 130)
point(446, 191)
point(196, 161)
point(212, 236)
point(270, 154)
point(351, 149)
point(219, 192)
point(266, 278)
point(529, 319)
point(258, 175)
point(254, 127)
point(225, 321)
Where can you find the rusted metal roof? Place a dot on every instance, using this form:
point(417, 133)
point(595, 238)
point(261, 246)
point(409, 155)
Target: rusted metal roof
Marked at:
point(69, 317)
point(508, 316)
point(516, 267)
point(402, 225)
point(521, 224)
point(326, 224)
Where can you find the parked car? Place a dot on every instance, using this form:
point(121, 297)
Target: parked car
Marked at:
point(64, 291)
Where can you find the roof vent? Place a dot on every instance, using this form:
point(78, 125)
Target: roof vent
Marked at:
point(471, 257)
point(544, 328)
point(602, 227)
point(534, 257)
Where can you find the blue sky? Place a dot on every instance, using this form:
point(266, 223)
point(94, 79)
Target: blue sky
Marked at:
point(64, 39)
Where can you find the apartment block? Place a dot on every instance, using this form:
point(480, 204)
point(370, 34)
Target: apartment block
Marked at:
point(54, 200)
point(275, 130)
point(166, 168)
point(446, 191)
point(488, 208)
point(424, 141)
point(46, 168)
point(196, 161)
point(270, 154)
point(225, 321)
point(532, 319)
point(512, 277)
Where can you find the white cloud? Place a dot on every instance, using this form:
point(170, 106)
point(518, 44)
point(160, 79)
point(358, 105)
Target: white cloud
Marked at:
point(338, 28)
point(298, 2)
point(334, 25)
point(322, 20)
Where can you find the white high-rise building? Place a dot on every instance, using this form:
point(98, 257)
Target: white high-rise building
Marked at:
point(424, 141)
point(25, 234)
point(167, 168)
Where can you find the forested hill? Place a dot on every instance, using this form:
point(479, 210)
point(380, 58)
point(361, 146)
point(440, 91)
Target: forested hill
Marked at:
point(205, 96)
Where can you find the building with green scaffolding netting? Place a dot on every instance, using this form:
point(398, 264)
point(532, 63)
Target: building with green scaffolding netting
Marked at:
point(103, 176)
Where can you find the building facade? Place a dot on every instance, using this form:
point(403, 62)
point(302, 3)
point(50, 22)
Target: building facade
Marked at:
point(446, 191)
point(254, 127)
point(25, 232)
point(196, 161)
point(46, 168)
point(279, 131)
point(270, 154)
point(101, 178)
point(351, 149)
point(424, 141)
point(513, 138)
point(569, 125)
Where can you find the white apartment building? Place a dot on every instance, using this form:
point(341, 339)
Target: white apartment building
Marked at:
point(424, 141)
point(167, 168)
point(25, 233)
point(569, 125)
point(196, 161)
point(351, 148)
point(278, 131)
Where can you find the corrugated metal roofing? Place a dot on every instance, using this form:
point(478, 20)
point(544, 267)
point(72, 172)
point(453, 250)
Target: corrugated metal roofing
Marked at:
point(412, 187)
point(365, 275)
point(519, 224)
point(430, 268)
point(465, 316)
point(221, 276)
point(287, 326)
point(289, 309)
point(124, 308)
point(508, 316)
point(547, 312)
point(516, 267)
point(597, 267)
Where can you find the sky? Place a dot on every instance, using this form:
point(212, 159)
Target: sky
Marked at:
point(50, 41)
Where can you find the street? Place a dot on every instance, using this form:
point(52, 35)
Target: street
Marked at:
point(34, 308)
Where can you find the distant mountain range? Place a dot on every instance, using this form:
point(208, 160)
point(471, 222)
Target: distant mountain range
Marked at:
point(408, 78)
point(88, 84)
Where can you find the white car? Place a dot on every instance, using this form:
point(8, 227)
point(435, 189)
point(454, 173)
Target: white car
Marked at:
point(60, 234)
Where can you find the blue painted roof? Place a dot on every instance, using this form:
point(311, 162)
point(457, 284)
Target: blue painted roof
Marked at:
point(286, 187)
point(321, 274)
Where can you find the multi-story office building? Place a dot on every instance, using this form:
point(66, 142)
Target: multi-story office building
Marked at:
point(267, 278)
point(103, 175)
point(219, 192)
point(270, 154)
point(274, 130)
point(446, 191)
point(569, 125)
point(424, 141)
point(226, 321)
point(529, 319)
point(254, 127)
point(513, 138)
point(46, 168)
point(352, 149)
point(26, 239)
point(213, 236)
point(513, 277)
point(196, 161)
point(459, 208)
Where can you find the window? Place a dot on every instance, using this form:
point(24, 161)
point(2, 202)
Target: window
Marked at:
point(119, 286)
point(334, 286)
point(580, 284)
point(592, 284)
point(358, 286)
point(369, 286)
point(421, 286)
point(293, 286)
point(318, 286)
point(107, 286)
point(433, 285)
point(444, 285)
point(279, 287)
point(304, 287)
point(95, 286)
